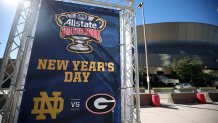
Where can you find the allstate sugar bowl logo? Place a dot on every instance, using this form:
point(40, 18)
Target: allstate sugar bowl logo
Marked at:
point(81, 28)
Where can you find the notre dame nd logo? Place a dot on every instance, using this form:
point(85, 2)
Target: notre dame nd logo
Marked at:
point(47, 105)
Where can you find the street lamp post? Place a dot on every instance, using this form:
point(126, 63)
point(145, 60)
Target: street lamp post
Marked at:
point(146, 51)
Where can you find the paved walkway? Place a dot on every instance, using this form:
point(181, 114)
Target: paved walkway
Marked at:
point(177, 113)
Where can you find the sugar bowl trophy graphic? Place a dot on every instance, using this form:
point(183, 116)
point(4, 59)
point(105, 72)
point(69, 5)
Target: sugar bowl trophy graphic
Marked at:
point(81, 28)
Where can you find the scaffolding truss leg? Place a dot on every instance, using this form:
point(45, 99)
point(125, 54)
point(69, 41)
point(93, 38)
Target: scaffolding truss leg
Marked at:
point(19, 37)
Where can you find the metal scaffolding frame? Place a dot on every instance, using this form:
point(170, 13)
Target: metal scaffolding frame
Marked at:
point(129, 67)
point(20, 45)
point(18, 42)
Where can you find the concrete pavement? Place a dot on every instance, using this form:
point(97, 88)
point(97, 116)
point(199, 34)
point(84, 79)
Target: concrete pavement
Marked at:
point(179, 113)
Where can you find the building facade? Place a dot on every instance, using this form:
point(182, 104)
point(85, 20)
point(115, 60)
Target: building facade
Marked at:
point(175, 40)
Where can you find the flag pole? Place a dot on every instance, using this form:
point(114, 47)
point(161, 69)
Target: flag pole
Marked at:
point(146, 50)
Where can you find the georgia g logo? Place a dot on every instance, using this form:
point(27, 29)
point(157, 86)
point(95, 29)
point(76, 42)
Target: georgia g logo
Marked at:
point(100, 103)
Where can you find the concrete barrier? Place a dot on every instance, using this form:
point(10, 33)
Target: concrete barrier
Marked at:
point(211, 97)
point(145, 99)
point(182, 98)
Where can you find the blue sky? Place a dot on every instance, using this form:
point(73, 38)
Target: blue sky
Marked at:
point(156, 11)
point(203, 11)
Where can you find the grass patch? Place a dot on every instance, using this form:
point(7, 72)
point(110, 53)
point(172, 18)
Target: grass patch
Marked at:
point(207, 88)
point(192, 88)
point(162, 88)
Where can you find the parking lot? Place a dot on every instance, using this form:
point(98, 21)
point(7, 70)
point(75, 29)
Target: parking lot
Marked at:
point(179, 113)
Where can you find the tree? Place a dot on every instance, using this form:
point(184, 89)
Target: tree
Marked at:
point(210, 77)
point(188, 69)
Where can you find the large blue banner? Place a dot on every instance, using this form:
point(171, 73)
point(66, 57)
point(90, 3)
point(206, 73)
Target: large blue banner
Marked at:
point(74, 69)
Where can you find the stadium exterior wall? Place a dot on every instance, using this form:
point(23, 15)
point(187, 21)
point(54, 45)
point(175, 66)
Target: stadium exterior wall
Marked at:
point(174, 40)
